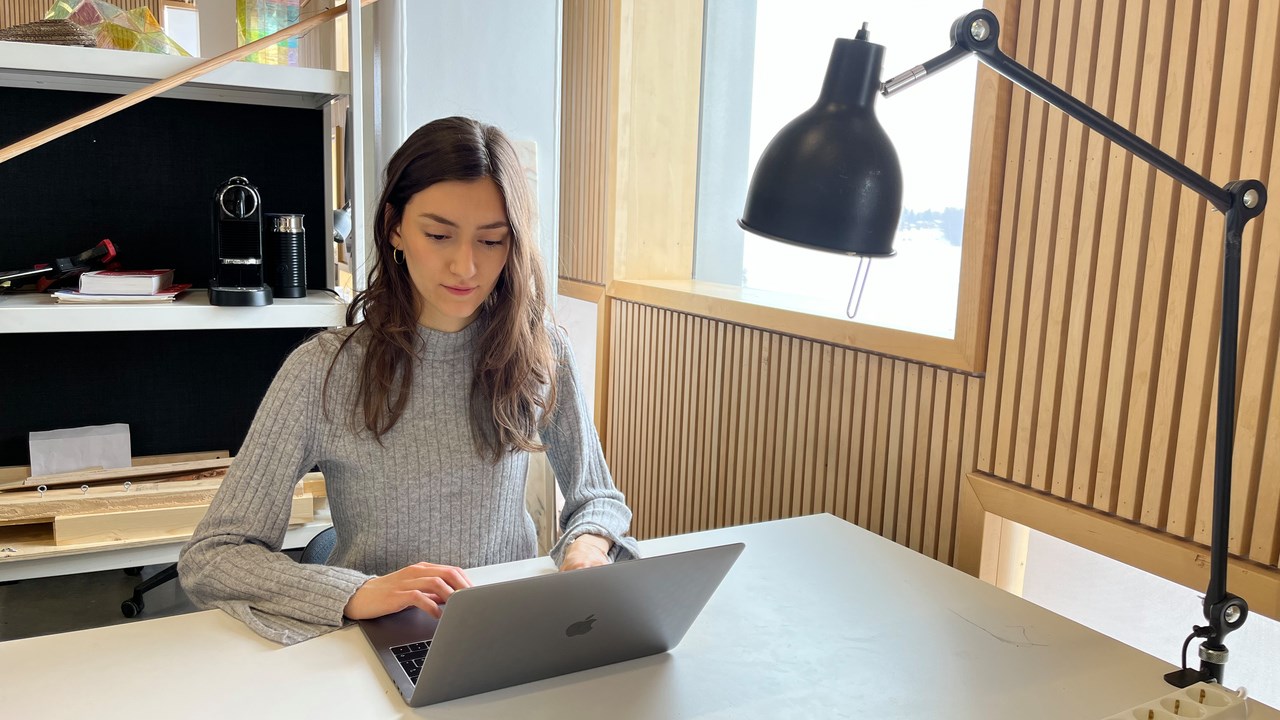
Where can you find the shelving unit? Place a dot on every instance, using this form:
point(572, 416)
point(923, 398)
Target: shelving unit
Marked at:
point(39, 313)
point(52, 67)
point(185, 375)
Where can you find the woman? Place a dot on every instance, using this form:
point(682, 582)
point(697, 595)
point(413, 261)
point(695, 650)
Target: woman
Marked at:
point(421, 416)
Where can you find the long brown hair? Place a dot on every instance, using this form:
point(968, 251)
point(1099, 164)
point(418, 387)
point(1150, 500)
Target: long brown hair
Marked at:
point(514, 378)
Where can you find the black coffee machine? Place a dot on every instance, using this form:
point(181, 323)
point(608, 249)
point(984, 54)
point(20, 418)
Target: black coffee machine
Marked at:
point(238, 276)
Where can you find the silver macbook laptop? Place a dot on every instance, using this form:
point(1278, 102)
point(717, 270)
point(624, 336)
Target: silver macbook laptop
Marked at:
point(509, 633)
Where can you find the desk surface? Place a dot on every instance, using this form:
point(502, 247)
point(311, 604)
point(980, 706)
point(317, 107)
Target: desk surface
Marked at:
point(818, 619)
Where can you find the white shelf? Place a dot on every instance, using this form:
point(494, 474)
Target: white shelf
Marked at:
point(38, 313)
point(32, 65)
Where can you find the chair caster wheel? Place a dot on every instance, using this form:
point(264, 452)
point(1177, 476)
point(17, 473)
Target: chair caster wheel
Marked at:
point(129, 608)
point(133, 572)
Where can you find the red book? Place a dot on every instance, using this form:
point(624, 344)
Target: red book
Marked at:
point(125, 282)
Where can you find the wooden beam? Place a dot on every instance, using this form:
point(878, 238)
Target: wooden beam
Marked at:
point(151, 523)
point(22, 472)
point(1170, 557)
point(85, 477)
point(586, 292)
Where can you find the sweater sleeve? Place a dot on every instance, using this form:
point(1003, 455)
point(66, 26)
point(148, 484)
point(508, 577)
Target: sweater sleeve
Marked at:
point(592, 504)
point(233, 561)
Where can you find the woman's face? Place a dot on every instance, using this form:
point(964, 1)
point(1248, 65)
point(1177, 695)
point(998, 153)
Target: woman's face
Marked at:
point(456, 238)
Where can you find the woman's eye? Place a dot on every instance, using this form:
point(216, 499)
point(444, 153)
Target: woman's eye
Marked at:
point(491, 243)
point(437, 237)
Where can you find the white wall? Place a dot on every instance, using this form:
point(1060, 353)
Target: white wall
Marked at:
point(497, 61)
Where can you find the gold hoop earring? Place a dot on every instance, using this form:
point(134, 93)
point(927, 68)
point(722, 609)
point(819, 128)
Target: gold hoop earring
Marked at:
point(397, 256)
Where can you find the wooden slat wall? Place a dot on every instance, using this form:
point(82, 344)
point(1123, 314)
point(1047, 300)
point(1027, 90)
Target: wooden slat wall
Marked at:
point(584, 141)
point(718, 424)
point(17, 12)
point(1101, 385)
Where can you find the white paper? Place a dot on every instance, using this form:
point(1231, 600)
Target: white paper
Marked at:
point(72, 449)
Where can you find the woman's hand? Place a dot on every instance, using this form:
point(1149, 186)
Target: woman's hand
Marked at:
point(425, 585)
point(586, 551)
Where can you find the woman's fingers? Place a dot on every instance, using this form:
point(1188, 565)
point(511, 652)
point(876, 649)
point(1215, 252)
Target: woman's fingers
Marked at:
point(423, 601)
point(433, 586)
point(456, 578)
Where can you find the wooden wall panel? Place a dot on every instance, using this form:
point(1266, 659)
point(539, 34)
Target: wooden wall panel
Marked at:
point(584, 140)
point(1102, 374)
point(716, 424)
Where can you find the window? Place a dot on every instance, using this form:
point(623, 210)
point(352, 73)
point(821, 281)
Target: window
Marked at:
point(764, 63)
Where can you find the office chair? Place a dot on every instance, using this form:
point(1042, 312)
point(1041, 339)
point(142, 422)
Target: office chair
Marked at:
point(316, 552)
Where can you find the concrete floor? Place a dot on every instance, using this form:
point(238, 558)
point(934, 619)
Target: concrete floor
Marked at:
point(43, 606)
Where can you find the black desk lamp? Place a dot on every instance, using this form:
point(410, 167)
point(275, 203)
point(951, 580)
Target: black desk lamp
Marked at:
point(830, 180)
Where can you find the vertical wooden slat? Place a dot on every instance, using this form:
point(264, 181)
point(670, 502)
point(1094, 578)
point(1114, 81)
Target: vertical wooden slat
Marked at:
point(1226, 164)
point(899, 514)
point(1189, 246)
point(584, 140)
point(1138, 487)
point(955, 468)
point(1037, 239)
point(1098, 382)
point(1136, 245)
point(923, 454)
point(1070, 74)
point(1257, 331)
point(1017, 232)
point(868, 477)
point(931, 517)
point(1078, 405)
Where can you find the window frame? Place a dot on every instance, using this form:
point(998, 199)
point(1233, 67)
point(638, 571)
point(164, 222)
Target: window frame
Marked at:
point(655, 150)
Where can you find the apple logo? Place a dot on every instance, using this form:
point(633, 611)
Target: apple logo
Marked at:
point(582, 627)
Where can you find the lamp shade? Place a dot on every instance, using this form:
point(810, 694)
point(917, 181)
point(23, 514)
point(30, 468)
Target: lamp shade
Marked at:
point(830, 180)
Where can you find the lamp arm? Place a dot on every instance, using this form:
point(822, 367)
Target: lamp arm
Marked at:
point(978, 33)
point(1240, 202)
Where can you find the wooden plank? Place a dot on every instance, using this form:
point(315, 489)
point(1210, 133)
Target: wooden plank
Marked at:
point(931, 504)
point(1007, 251)
point(1231, 101)
point(1072, 72)
point(1189, 247)
point(1010, 394)
point(895, 419)
point(846, 480)
point(1077, 426)
point(129, 473)
point(856, 466)
point(899, 517)
point(920, 490)
point(1096, 476)
point(150, 523)
point(958, 406)
point(18, 508)
point(586, 292)
point(1137, 242)
point(1156, 552)
point(821, 463)
point(983, 208)
point(790, 316)
point(1259, 267)
point(1040, 193)
point(22, 472)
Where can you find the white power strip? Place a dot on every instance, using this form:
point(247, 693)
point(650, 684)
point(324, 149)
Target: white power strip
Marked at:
point(1202, 700)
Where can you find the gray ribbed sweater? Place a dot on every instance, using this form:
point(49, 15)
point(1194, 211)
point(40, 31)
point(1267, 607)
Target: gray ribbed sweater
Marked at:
point(425, 494)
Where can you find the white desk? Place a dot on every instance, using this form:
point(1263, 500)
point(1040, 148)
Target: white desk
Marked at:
point(818, 619)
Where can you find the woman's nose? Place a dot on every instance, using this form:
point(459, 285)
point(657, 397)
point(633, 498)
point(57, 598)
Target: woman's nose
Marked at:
point(463, 264)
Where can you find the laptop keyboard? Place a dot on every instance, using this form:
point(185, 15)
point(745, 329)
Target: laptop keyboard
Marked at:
point(411, 656)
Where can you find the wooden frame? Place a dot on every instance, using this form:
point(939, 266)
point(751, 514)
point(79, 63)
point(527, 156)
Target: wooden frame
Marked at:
point(654, 167)
point(1170, 557)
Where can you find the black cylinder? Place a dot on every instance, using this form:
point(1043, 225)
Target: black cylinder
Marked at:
point(289, 255)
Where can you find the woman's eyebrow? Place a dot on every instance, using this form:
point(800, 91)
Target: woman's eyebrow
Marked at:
point(450, 223)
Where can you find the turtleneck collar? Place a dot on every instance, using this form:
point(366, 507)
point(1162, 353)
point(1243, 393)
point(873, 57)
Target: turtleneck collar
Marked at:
point(438, 343)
